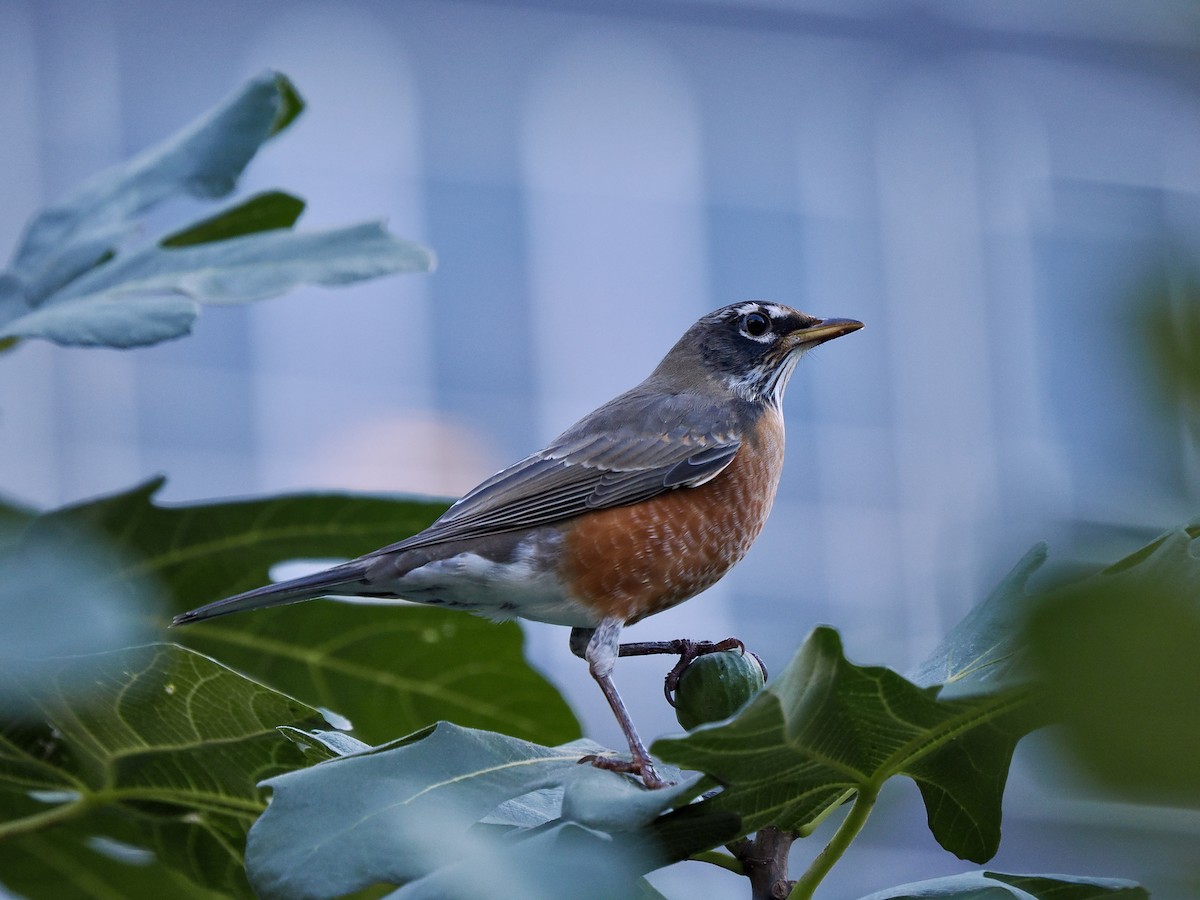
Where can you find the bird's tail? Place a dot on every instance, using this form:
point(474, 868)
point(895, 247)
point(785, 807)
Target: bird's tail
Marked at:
point(338, 580)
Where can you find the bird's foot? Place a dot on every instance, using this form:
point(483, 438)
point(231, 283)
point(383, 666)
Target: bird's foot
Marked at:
point(643, 768)
point(690, 650)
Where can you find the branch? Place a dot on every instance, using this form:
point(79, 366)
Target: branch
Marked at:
point(765, 862)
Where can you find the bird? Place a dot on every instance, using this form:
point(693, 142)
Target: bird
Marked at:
point(642, 504)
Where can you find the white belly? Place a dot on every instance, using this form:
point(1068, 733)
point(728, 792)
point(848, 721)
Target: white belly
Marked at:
point(522, 587)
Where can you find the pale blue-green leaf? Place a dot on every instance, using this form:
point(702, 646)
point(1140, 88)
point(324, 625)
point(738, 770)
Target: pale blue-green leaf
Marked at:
point(386, 816)
point(594, 799)
point(998, 886)
point(12, 297)
point(322, 745)
point(982, 652)
point(527, 811)
point(256, 266)
point(128, 320)
point(204, 160)
point(541, 806)
point(86, 252)
point(566, 860)
point(151, 295)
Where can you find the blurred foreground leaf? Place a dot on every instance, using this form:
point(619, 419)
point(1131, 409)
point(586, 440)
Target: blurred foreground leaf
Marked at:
point(523, 820)
point(1169, 317)
point(158, 762)
point(73, 281)
point(13, 519)
point(389, 669)
point(56, 600)
point(1119, 655)
point(985, 651)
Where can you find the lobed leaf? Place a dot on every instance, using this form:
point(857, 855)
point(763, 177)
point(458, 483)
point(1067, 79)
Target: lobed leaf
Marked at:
point(388, 669)
point(386, 816)
point(827, 728)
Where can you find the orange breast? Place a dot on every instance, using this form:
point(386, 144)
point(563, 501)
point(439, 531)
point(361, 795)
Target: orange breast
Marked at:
point(633, 561)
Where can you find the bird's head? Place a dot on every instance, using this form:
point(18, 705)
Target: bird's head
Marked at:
point(748, 348)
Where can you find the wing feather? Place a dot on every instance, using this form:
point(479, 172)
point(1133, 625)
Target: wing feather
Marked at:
point(632, 449)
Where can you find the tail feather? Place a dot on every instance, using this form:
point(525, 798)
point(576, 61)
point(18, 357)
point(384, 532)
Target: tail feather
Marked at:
point(319, 584)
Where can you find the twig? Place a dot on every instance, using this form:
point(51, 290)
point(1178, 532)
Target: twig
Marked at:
point(717, 858)
point(845, 834)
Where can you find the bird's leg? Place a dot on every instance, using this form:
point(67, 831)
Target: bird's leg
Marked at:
point(600, 647)
point(688, 650)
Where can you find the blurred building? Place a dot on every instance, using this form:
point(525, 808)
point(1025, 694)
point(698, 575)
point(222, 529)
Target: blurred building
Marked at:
point(989, 186)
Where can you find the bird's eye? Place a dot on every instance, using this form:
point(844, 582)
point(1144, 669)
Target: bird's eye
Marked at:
point(756, 324)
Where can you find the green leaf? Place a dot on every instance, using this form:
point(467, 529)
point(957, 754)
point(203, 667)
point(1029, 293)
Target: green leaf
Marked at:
point(77, 861)
point(262, 212)
point(998, 886)
point(1167, 315)
point(164, 752)
point(1118, 654)
point(388, 815)
point(827, 728)
point(388, 669)
point(290, 106)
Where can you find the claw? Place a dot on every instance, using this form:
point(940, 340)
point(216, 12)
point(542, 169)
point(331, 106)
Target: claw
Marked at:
point(688, 651)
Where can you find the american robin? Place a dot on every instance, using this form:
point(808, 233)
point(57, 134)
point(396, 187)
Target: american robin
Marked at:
point(640, 505)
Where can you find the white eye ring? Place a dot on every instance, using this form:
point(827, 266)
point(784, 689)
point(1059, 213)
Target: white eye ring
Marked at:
point(756, 325)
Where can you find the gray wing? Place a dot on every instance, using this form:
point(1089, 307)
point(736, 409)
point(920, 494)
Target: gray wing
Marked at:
point(628, 450)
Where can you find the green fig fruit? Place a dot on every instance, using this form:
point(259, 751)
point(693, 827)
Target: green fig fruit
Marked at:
point(715, 686)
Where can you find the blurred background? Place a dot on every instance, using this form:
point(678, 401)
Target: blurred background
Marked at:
point(1007, 193)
